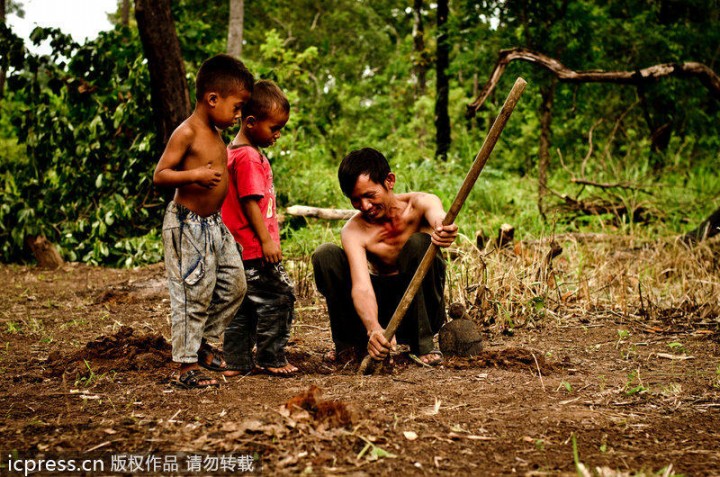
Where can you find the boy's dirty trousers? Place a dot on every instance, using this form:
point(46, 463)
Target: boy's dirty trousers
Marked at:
point(423, 318)
point(205, 277)
point(264, 319)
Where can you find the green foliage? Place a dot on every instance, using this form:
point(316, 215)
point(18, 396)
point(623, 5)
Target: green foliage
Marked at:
point(78, 143)
point(83, 114)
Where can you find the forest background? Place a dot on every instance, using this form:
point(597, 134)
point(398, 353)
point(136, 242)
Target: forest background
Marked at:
point(79, 139)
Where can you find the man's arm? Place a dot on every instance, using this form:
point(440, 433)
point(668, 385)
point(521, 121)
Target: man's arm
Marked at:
point(251, 208)
point(432, 208)
point(362, 293)
point(177, 147)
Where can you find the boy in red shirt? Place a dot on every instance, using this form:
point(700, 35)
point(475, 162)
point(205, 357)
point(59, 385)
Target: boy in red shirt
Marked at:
point(266, 314)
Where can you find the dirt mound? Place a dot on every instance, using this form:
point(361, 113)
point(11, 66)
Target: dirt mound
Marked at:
point(120, 352)
point(328, 413)
point(508, 358)
point(309, 363)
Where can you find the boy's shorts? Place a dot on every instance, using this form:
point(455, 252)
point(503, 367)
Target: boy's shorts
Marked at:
point(206, 278)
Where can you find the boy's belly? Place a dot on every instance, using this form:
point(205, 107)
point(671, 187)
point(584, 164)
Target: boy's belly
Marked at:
point(201, 200)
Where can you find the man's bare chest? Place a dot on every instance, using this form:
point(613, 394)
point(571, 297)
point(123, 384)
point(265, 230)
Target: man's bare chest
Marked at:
point(385, 242)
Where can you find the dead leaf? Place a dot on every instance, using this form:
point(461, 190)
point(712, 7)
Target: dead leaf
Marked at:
point(410, 435)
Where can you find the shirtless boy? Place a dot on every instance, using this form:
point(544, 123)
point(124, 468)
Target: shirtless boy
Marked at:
point(382, 247)
point(205, 272)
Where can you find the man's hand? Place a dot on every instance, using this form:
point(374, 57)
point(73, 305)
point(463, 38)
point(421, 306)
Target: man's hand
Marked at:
point(378, 347)
point(207, 176)
point(444, 235)
point(272, 253)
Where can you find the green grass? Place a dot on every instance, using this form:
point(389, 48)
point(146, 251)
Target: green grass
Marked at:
point(674, 201)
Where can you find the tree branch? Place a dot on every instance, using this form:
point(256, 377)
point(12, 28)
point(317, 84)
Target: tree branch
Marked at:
point(706, 75)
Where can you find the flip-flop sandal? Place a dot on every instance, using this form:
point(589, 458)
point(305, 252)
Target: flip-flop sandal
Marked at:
point(215, 364)
point(191, 380)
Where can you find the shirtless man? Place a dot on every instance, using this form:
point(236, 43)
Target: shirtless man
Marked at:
point(206, 278)
point(383, 245)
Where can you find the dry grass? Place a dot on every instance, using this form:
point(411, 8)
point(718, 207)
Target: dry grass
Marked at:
point(610, 275)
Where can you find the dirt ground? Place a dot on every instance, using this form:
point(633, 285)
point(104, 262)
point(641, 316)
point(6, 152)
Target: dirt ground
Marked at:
point(85, 365)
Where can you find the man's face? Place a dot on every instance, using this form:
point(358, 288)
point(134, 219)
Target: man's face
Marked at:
point(371, 198)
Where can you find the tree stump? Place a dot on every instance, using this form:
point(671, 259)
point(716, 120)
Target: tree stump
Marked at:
point(506, 235)
point(45, 252)
point(480, 240)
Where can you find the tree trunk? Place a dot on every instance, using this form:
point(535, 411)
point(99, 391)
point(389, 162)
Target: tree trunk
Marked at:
point(703, 73)
point(3, 14)
point(420, 63)
point(235, 28)
point(442, 87)
point(125, 13)
point(169, 90)
point(660, 132)
point(547, 92)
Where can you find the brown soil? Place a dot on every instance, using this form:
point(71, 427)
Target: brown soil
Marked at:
point(86, 367)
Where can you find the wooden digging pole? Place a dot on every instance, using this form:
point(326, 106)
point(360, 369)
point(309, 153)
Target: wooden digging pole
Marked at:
point(467, 185)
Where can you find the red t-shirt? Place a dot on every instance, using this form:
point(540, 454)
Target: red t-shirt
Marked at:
point(250, 176)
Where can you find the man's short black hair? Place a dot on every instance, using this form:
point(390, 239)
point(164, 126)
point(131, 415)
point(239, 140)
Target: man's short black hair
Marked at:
point(362, 161)
point(266, 97)
point(224, 74)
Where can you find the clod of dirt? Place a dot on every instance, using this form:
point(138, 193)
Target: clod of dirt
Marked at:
point(509, 358)
point(329, 413)
point(120, 352)
point(461, 336)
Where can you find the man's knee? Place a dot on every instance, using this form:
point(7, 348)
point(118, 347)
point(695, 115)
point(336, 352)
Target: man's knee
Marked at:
point(416, 246)
point(420, 240)
point(327, 255)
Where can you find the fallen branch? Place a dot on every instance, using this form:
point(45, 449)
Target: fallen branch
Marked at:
point(579, 237)
point(617, 185)
point(320, 213)
point(599, 207)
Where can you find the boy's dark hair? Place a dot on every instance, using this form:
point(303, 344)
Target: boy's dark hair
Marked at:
point(362, 161)
point(224, 74)
point(266, 97)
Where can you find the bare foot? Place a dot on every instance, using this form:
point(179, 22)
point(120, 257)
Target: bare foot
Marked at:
point(342, 357)
point(433, 358)
point(287, 370)
point(231, 373)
